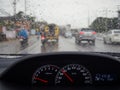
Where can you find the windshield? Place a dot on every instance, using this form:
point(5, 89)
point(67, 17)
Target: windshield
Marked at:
point(40, 26)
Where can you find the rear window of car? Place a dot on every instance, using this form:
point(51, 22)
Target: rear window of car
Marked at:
point(117, 31)
point(87, 30)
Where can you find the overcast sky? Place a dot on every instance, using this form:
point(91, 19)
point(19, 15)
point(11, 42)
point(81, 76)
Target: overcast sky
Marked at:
point(62, 12)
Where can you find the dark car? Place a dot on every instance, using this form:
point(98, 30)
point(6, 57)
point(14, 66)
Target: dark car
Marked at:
point(85, 34)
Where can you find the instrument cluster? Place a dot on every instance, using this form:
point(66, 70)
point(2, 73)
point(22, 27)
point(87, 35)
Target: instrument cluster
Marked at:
point(68, 75)
point(64, 69)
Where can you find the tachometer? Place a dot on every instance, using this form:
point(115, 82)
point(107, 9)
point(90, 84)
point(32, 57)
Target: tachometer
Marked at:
point(45, 75)
point(73, 74)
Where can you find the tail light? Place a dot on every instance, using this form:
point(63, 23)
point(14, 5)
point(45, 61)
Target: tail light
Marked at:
point(42, 37)
point(93, 32)
point(81, 33)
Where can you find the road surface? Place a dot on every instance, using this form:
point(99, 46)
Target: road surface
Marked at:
point(13, 46)
point(68, 44)
point(65, 44)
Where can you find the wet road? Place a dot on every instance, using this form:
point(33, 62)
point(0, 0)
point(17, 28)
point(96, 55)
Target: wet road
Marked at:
point(13, 46)
point(65, 44)
point(68, 44)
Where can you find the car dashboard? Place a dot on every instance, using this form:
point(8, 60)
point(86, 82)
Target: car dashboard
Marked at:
point(62, 70)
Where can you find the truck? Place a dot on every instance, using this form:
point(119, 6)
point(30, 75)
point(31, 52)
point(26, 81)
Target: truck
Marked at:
point(50, 35)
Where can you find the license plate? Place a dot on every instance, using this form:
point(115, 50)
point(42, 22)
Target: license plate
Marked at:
point(52, 40)
point(21, 39)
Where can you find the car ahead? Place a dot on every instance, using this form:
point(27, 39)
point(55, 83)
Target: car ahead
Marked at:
point(68, 35)
point(112, 36)
point(85, 34)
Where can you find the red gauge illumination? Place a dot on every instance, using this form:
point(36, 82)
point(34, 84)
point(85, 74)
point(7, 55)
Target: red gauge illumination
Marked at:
point(45, 75)
point(73, 75)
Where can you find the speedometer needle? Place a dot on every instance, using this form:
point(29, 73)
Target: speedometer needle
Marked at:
point(42, 80)
point(68, 77)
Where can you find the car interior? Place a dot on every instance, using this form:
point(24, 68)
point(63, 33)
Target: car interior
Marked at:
point(62, 70)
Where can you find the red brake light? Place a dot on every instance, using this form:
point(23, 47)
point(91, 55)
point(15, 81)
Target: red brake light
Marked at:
point(42, 37)
point(93, 32)
point(81, 33)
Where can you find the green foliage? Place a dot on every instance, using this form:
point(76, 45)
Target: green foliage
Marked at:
point(101, 24)
point(19, 14)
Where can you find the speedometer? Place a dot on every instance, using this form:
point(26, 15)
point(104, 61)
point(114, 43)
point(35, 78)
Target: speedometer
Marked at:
point(45, 75)
point(73, 74)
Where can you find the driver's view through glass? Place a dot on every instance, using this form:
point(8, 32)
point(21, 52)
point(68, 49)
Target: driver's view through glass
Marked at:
point(38, 27)
point(30, 27)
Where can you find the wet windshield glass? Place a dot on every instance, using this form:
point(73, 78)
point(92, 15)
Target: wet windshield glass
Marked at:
point(44, 26)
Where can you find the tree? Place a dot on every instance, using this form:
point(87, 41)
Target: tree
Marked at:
point(101, 24)
point(20, 14)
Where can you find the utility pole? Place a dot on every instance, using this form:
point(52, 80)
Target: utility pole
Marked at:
point(118, 6)
point(106, 24)
point(88, 18)
point(25, 7)
point(14, 6)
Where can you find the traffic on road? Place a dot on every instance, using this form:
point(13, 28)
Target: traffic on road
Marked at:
point(85, 40)
point(64, 44)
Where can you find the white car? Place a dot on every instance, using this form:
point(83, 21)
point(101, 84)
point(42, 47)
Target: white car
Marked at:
point(112, 36)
